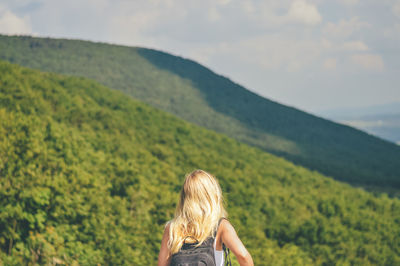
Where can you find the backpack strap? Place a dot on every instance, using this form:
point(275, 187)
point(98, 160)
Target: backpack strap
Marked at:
point(227, 257)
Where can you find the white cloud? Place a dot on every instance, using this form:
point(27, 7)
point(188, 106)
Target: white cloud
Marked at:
point(344, 28)
point(213, 14)
point(268, 52)
point(396, 8)
point(330, 63)
point(272, 14)
point(368, 61)
point(326, 44)
point(10, 23)
point(247, 6)
point(303, 12)
point(131, 28)
point(294, 65)
point(393, 32)
point(340, 46)
point(349, 2)
point(147, 23)
point(268, 46)
point(354, 46)
point(223, 2)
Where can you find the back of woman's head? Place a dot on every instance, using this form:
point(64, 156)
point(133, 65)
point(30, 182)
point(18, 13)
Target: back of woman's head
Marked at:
point(199, 209)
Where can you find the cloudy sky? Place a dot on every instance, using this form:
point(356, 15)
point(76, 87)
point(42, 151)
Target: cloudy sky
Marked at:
point(310, 54)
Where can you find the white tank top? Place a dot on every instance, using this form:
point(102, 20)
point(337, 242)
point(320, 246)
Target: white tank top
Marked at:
point(219, 256)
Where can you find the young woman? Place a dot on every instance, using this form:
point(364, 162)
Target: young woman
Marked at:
point(199, 215)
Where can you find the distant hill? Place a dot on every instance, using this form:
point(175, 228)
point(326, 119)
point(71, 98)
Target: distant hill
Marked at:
point(196, 94)
point(89, 176)
point(384, 126)
point(380, 120)
point(357, 112)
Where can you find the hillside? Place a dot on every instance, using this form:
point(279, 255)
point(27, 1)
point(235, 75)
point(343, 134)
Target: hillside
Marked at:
point(88, 176)
point(196, 94)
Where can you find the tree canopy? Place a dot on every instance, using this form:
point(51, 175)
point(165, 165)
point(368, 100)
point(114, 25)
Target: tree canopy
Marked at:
point(90, 176)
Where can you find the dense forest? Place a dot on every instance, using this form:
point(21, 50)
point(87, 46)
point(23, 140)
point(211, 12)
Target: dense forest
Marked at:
point(89, 176)
point(196, 94)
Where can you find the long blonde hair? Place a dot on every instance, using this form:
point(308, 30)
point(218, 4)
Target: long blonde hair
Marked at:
point(198, 211)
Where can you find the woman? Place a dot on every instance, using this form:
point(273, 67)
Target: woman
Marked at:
point(200, 214)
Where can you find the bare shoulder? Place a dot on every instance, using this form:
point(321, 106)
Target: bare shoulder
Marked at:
point(167, 225)
point(163, 256)
point(166, 229)
point(225, 225)
point(232, 241)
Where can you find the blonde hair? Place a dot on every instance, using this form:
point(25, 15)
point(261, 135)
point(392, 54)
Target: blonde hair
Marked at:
point(198, 211)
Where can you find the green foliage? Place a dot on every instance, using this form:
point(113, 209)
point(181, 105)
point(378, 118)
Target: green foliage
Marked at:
point(196, 94)
point(89, 176)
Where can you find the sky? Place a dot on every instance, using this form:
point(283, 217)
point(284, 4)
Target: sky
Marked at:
point(313, 55)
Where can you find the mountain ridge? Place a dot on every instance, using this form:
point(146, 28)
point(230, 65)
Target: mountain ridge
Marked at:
point(195, 93)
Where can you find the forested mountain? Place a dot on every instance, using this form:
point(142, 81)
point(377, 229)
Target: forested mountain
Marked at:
point(196, 94)
point(89, 176)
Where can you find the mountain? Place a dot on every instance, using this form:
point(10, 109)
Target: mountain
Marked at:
point(90, 176)
point(196, 94)
point(379, 120)
point(385, 126)
point(357, 112)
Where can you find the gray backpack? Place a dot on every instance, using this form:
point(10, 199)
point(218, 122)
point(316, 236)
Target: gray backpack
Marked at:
point(203, 255)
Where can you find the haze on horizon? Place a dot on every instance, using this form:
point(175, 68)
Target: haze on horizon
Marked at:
point(313, 55)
